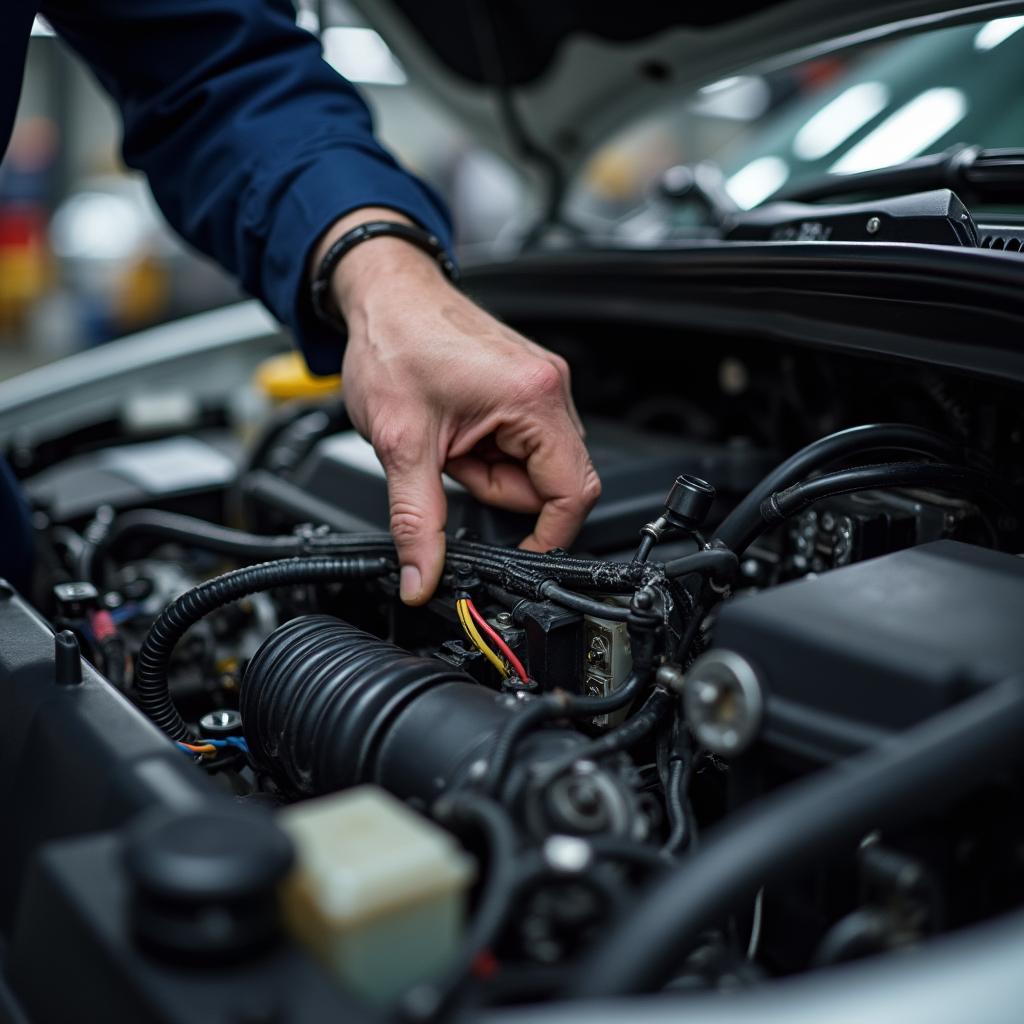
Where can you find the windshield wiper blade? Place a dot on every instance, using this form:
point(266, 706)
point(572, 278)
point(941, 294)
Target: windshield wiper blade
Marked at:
point(976, 175)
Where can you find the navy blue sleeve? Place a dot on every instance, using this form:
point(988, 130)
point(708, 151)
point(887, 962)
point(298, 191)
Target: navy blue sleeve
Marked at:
point(252, 144)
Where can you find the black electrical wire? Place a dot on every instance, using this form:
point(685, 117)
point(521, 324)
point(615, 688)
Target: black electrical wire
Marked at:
point(587, 605)
point(511, 568)
point(626, 851)
point(533, 716)
point(169, 527)
point(677, 805)
point(720, 563)
point(693, 625)
point(468, 809)
point(798, 825)
point(643, 551)
point(547, 709)
point(622, 737)
point(742, 525)
point(151, 687)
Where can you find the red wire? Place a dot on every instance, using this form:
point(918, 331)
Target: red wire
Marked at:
point(517, 665)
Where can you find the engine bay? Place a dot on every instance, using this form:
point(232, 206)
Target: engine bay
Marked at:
point(762, 720)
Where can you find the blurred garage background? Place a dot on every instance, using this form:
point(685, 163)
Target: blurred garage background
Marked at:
point(86, 257)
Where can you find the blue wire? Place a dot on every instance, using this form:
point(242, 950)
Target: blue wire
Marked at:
point(124, 613)
point(229, 741)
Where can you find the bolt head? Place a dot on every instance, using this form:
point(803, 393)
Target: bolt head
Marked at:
point(873, 225)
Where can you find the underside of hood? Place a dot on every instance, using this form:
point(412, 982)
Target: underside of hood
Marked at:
point(544, 82)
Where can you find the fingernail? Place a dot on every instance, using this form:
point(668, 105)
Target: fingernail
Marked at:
point(410, 583)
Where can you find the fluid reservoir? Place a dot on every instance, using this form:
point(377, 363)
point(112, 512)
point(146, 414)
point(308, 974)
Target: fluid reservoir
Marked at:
point(378, 891)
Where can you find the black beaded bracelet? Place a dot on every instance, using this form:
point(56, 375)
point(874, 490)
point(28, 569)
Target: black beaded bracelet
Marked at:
point(320, 289)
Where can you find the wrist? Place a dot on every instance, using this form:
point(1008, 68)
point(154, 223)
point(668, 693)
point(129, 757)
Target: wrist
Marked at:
point(368, 273)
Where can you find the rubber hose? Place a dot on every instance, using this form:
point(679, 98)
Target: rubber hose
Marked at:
point(801, 824)
point(151, 665)
point(783, 504)
point(502, 884)
point(741, 526)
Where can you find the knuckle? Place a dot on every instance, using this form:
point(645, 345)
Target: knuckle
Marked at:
point(392, 442)
point(562, 366)
point(542, 381)
point(591, 489)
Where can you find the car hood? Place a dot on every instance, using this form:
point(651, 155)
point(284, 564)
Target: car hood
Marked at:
point(545, 82)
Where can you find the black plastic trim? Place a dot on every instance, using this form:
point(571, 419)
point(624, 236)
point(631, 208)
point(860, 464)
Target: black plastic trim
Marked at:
point(961, 309)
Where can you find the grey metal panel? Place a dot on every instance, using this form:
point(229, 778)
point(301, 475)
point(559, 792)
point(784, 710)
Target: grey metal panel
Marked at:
point(207, 355)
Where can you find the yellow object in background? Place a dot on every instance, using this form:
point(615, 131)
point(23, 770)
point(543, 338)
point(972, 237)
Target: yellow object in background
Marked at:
point(141, 293)
point(286, 377)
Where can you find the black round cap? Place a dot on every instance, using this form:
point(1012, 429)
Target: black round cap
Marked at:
point(204, 882)
point(689, 502)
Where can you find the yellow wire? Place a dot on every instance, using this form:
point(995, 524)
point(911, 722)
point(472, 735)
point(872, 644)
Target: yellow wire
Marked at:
point(478, 641)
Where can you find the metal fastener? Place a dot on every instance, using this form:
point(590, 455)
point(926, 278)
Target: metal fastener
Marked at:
point(723, 702)
point(873, 225)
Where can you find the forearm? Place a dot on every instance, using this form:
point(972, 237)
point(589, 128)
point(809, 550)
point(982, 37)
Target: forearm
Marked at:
point(253, 145)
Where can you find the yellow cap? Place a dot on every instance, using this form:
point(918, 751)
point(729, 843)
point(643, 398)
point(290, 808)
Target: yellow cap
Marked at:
point(286, 376)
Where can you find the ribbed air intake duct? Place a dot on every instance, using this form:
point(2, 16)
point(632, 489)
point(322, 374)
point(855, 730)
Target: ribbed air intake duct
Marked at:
point(326, 706)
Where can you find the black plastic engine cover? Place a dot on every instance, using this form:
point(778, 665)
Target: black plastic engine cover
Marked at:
point(636, 469)
point(867, 650)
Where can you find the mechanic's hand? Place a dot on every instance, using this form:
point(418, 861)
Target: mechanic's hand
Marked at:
point(436, 384)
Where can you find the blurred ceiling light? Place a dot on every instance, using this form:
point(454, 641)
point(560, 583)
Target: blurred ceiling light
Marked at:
point(98, 226)
point(837, 121)
point(754, 183)
point(906, 132)
point(361, 55)
point(41, 27)
point(740, 98)
point(992, 33)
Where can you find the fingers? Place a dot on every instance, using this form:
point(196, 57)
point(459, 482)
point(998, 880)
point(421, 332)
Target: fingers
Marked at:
point(505, 484)
point(544, 436)
point(565, 476)
point(417, 506)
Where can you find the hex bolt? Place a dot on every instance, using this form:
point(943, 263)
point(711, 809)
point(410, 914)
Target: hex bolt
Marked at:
point(503, 620)
point(222, 722)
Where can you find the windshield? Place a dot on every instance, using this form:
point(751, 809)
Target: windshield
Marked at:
point(855, 110)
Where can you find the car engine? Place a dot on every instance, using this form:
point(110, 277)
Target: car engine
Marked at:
point(763, 719)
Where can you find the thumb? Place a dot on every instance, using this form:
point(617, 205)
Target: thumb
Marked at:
point(418, 511)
